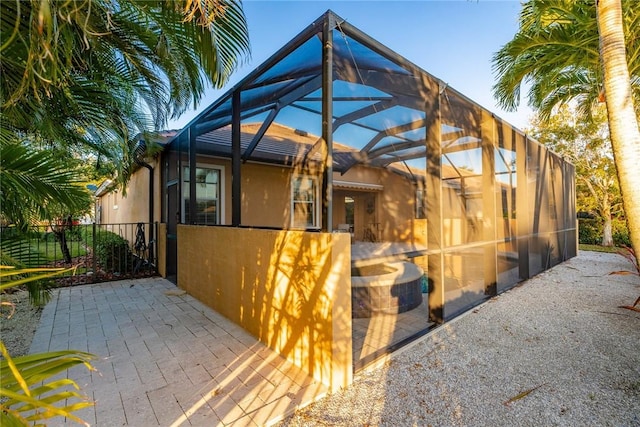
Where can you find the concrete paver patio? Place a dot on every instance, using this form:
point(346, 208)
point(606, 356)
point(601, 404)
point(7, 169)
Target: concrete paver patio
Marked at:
point(166, 359)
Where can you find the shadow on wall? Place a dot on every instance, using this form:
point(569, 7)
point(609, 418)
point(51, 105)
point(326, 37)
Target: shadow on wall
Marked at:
point(290, 289)
point(294, 315)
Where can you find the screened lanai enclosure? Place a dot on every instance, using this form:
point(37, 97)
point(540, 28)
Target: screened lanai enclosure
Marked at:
point(336, 139)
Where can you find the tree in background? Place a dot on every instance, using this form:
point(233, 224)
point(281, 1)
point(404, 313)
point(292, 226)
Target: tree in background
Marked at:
point(586, 53)
point(586, 144)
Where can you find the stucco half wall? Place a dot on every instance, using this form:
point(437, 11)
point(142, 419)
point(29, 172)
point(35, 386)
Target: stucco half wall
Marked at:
point(290, 289)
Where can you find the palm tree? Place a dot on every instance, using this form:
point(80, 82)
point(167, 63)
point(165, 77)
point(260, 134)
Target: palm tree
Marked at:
point(90, 73)
point(94, 72)
point(556, 50)
point(563, 50)
point(41, 186)
point(165, 50)
point(623, 122)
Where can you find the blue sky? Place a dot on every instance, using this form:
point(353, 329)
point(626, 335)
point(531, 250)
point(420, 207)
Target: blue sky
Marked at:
point(453, 40)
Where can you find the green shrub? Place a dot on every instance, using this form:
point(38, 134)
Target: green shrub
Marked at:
point(112, 252)
point(589, 231)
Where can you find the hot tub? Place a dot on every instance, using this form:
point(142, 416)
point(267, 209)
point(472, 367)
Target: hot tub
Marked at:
point(389, 288)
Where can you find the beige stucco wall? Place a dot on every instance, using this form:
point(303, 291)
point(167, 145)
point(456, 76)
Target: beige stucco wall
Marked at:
point(290, 289)
point(266, 195)
point(398, 209)
point(266, 192)
point(132, 207)
point(266, 199)
point(394, 218)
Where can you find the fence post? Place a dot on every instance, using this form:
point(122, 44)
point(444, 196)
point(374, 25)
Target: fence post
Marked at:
point(93, 254)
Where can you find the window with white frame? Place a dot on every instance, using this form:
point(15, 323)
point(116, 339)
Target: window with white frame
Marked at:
point(209, 196)
point(304, 202)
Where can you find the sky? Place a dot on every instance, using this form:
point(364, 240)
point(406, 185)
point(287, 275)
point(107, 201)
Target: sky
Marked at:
point(453, 40)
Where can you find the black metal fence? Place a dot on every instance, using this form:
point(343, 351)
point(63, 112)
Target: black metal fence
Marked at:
point(98, 252)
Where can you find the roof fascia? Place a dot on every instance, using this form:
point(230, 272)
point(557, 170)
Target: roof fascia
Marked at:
point(105, 187)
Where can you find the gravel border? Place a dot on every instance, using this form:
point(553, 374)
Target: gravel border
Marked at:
point(555, 350)
point(18, 328)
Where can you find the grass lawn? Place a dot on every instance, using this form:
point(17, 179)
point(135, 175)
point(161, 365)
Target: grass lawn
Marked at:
point(38, 252)
point(598, 248)
point(52, 252)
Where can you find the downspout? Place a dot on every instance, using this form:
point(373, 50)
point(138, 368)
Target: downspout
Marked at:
point(139, 152)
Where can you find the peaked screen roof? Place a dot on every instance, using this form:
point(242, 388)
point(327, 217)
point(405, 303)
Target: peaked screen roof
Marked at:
point(379, 99)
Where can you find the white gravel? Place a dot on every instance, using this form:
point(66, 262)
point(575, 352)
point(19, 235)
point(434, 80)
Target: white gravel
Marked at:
point(557, 350)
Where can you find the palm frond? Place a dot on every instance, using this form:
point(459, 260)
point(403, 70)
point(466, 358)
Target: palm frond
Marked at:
point(29, 391)
point(91, 72)
point(38, 182)
point(21, 391)
point(556, 51)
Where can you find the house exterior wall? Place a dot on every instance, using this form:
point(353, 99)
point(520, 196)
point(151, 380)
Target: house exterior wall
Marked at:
point(266, 200)
point(117, 208)
point(266, 195)
point(290, 289)
point(266, 192)
point(393, 217)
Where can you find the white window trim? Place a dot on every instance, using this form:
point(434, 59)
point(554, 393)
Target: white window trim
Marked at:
point(220, 168)
point(315, 180)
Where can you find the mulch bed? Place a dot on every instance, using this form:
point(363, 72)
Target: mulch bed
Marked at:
point(89, 277)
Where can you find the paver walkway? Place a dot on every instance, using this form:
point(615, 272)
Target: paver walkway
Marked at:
point(167, 359)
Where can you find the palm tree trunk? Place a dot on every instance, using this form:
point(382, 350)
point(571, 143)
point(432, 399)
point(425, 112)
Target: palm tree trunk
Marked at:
point(60, 231)
point(62, 239)
point(623, 124)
